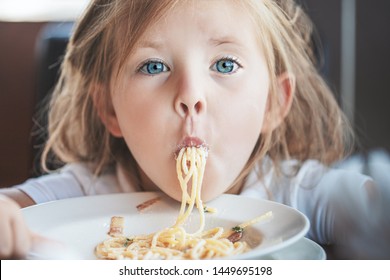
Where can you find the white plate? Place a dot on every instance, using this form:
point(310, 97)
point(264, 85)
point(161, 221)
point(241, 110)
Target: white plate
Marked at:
point(81, 223)
point(304, 249)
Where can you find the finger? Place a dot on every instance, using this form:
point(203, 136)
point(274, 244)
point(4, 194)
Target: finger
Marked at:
point(8, 207)
point(41, 248)
point(49, 249)
point(22, 237)
point(6, 242)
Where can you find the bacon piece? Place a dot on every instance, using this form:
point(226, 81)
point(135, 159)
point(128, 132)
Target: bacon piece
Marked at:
point(116, 226)
point(235, 236)
point(147, 203)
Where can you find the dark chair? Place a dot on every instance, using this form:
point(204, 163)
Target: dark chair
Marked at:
point(50, 49)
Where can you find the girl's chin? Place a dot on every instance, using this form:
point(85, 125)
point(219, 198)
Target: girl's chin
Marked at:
point(211, 196)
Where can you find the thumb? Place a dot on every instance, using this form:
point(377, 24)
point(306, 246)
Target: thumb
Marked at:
point(45, 248)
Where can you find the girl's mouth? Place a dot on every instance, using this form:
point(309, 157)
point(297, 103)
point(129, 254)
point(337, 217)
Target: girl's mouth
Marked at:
point(191, 142)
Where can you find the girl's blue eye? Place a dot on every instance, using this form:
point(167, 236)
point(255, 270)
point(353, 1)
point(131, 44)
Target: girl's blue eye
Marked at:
point(154, 68)
point(225, 66)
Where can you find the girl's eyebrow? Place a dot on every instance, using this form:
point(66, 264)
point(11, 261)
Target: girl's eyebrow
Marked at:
point(150, 44)
point(216, 41)
point(220, 40)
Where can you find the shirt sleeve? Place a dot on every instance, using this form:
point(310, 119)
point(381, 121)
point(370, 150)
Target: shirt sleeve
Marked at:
point(73, 180)
point(346, 210)
point(52, 187)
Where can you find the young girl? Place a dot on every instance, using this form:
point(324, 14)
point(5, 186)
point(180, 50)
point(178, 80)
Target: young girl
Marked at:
point(143, 78)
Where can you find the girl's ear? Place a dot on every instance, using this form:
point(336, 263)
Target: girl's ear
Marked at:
point(285, 92)
point(106, 111)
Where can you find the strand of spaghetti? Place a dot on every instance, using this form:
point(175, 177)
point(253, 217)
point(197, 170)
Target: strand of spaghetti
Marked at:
point(184, 161)
point(155, 238)
point(181, 165)
point(182, 218)
point(201, 163)
point(198, 160)
point(184, 195)
point(212, 233)
point(187, 158)
point(258, 219)
point(195, 250)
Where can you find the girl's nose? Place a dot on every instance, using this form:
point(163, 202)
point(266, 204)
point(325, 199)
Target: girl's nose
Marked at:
point(190, 99)
point(186, 108)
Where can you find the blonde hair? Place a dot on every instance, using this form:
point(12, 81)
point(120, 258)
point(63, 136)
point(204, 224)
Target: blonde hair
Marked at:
point(99, 45)
point(315, 127)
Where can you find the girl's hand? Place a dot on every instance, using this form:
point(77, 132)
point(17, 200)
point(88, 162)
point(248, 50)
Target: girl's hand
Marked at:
point(15, 237)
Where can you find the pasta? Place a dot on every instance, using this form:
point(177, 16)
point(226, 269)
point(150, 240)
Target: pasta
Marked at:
point(174, 242)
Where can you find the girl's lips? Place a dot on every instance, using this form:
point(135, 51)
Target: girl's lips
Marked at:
point(190, 142)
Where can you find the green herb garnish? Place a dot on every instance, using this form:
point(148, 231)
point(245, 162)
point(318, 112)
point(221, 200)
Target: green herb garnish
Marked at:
point(237, 229)
point(127, 242)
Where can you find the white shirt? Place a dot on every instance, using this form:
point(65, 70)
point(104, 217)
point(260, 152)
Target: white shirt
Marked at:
point(343, 206)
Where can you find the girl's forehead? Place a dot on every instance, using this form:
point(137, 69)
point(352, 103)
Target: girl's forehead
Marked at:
point(222, 21)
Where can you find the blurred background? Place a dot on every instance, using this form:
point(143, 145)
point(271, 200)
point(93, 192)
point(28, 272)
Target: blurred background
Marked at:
point(354, 43)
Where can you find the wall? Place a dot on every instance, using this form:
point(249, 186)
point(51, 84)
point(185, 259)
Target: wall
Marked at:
point(373, 73)
point(17, 99)
point(371, 117)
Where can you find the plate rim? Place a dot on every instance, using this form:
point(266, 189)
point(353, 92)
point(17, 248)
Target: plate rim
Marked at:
point(248, 255)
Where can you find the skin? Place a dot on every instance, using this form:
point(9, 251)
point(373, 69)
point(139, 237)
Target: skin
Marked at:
point(211, 83)
point(16, 239)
